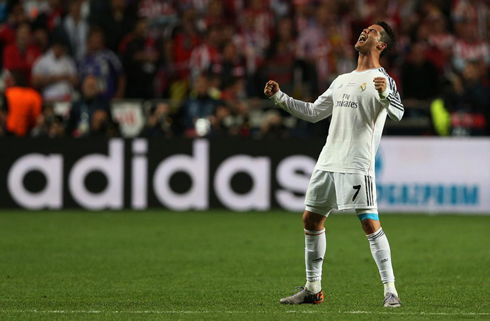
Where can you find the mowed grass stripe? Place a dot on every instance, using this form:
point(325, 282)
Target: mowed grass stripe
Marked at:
point(210, 264)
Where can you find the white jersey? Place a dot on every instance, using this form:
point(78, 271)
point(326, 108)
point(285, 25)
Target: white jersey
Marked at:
point(358, 116)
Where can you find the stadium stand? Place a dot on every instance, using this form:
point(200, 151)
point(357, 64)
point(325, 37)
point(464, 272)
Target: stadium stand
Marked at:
point(192, 68)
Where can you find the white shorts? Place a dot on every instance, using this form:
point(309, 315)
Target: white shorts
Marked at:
point(331, 190)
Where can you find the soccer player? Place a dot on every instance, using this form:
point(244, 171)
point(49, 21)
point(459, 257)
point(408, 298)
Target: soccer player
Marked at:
point(344, 178)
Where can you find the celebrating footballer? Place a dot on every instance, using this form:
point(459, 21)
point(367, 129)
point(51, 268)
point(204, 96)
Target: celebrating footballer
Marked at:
point(344, 177)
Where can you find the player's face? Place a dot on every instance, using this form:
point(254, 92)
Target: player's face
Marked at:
point(369, 38)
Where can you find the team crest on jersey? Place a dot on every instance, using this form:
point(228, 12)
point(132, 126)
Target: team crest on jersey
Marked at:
point(362, 87)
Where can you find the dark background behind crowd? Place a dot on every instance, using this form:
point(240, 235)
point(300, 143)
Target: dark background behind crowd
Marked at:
point(198, 67)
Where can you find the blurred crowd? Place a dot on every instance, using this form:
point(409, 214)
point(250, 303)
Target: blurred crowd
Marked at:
point(204, 63)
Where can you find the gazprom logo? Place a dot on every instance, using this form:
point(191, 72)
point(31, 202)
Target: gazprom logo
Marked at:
point(378, 163)
point(423, 193)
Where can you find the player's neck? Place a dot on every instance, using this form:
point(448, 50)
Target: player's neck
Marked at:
point(367, 61)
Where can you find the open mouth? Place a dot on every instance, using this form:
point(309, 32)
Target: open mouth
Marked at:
point(362, 38)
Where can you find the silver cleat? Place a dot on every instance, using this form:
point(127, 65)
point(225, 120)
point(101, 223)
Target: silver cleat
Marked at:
point(391, 301)
point(303, 296)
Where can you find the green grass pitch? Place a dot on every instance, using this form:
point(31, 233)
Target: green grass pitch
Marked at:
point(221, 265)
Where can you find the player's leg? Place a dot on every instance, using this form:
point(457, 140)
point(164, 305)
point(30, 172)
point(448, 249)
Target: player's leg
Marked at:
point(380, 250)
point(315, 248)
point(356, 191)
point(319, 199)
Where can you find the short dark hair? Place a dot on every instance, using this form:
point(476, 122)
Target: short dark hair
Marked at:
point(387, 36)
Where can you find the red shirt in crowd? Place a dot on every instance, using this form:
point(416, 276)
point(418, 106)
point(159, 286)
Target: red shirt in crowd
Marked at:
point(7, 34)
point(183, 46)
point(14, 59)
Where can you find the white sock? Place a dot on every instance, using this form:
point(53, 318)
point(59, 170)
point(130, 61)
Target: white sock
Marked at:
point(315, 247)
point(390, 288)
point(380, 248)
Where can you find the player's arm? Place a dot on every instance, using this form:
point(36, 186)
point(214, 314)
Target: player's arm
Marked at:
point(312, 112)
point(389, 97)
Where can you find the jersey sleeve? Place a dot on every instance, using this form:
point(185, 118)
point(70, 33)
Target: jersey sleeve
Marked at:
point(312, 112)
point(390, 99)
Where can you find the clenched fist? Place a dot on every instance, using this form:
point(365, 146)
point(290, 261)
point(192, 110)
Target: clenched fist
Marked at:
point(380, 84)
point(271, 87)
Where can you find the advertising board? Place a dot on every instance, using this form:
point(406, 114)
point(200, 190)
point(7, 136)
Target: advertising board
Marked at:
point(420, 175)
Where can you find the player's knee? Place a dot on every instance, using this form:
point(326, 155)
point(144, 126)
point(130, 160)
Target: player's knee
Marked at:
point(313, 221)
point(370, 226)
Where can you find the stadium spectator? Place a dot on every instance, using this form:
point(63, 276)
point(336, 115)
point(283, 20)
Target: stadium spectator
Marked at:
point(475, 11)
point(241, 120)
point(231, 67)
point(199, 105)
point(24, 105)
point(161, 16)
point(34, 8)
point(16, 16)
point(255, 34)
point(80, 120)
point(102, 125)
point(75, 28)
point(230, 121)
point(440, 38)
point(252, 45)
point(160, 122)
point(207, 53)
point(302, 15)
point(221, 121)
point(185, 41)
point(419, 76)
point(234, 91)
point(273, 126)
point(41, 39)
point(21, 54)
point(141, 59)
point(280, 8)
point(263, 18)
point(314, 51)
point(49, 124)
point(470, 103)
point(468, 47)
point(55, 73)
point(116, 23)
point(386, 10)
point(103, 64)
point(50, 18)
point(215, 15)
point(281, 56)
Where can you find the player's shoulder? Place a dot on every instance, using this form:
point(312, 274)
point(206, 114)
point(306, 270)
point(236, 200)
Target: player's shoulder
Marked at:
point(339, 78)
point(391, 81)
point(383, 72)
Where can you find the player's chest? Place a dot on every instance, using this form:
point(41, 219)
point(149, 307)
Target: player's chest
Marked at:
point(355, 93)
